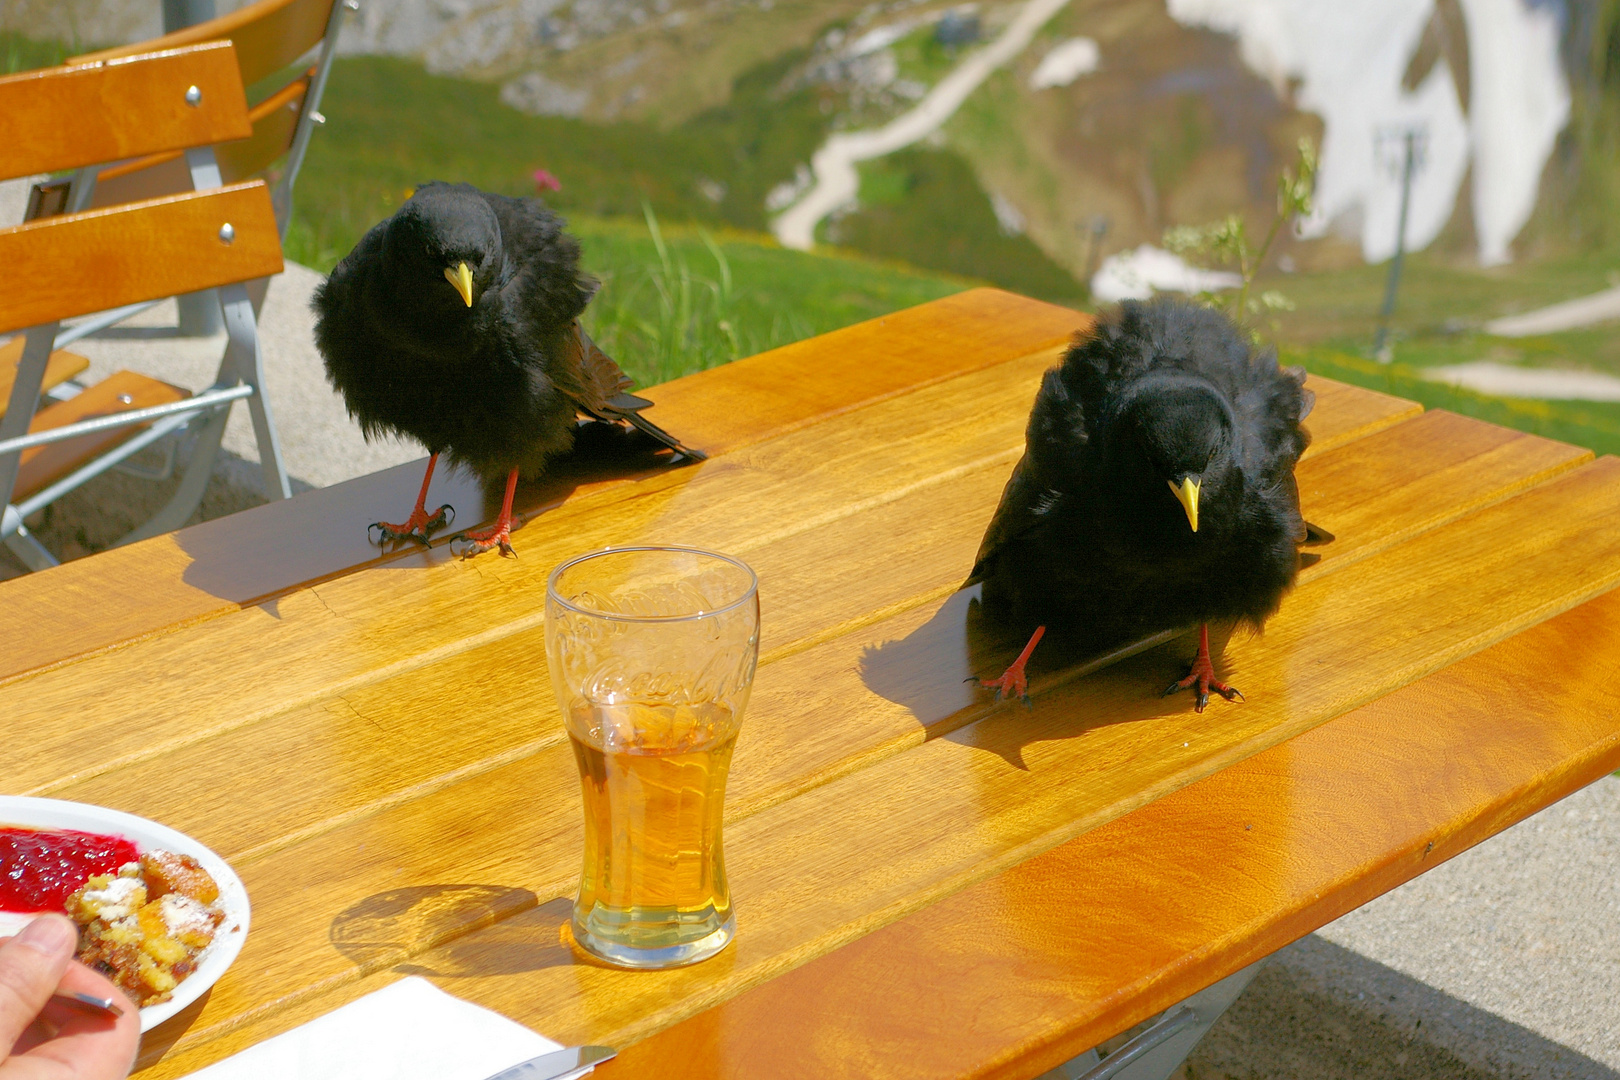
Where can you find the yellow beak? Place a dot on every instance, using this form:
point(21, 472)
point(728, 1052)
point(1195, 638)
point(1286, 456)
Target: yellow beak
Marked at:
point(1187, 496)
point(461, 277)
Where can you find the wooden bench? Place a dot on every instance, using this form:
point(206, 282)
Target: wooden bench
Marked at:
point(91, 261)
point(61, 367)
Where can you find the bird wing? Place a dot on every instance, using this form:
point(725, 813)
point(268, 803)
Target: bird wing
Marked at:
point(597, 386)
point(1025, 504)
point(1054, 445)
point(585, 374)
point(1270, 403)
point(541, 278)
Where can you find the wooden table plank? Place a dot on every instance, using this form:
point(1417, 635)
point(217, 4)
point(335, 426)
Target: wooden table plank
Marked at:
point(1355, 412)
point(1415, 476)
point(220, 566)
point(932, 819)
point(853, 854)
point(1014, 975)
point(224, 673)
point(217, 566)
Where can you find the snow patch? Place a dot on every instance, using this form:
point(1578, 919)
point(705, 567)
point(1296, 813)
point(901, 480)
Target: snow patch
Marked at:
point(536, 94)
point(1066, 62)
point(1008, 216)
point(1137, 275)
point(1347, 59)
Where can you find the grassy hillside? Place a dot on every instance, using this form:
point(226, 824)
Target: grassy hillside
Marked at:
point(392, 125)
point(695, 282)
point(906, 196)
point(18, 53)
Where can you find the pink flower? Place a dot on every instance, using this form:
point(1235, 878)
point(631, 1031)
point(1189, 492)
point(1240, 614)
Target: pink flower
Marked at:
point(544, 181)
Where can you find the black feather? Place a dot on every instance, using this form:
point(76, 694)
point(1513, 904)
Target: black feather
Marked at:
point(1089, 537)
point(496, 386)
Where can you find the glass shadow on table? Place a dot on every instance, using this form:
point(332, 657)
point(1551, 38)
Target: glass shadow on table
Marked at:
point(400, 928)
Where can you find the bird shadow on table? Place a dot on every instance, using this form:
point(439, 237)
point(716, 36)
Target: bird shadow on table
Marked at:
point(258, 554)
point(935, 673)
point(455, 931)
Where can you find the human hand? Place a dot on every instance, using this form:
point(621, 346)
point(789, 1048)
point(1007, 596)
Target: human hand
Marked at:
point(42, 1040)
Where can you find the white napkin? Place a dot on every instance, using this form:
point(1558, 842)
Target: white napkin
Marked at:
point(410, 1030)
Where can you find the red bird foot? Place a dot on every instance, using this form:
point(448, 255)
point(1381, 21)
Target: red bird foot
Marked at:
point(476, 543)
point(420, 526)
point(1201, 677)
point(498, 535)
point(1013, 681)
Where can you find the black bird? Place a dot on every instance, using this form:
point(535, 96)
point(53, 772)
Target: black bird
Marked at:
point(1156, 490)
point(456, 322)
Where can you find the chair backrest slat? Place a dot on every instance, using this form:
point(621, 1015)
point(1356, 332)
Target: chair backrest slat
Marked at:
point(269, 35)
point(99, 259)
point(67, 117)
point(275, 119)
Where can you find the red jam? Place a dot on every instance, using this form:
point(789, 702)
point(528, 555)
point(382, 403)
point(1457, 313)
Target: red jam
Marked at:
point(40, 869)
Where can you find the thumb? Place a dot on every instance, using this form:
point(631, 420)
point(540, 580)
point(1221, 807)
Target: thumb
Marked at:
point(31, 966)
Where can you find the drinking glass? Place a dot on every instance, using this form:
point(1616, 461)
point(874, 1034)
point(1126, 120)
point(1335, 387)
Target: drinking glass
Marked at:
point(652, 653)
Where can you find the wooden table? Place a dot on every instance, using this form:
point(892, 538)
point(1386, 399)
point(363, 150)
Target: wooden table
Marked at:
point(927, 885)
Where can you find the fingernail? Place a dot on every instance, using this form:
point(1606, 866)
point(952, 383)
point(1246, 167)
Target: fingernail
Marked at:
point(49, 934)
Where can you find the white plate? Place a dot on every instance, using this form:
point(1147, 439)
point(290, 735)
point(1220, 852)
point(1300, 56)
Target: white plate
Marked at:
point(150, 836)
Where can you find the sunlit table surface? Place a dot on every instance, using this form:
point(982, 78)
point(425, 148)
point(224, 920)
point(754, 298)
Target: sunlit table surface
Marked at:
point(926, 883)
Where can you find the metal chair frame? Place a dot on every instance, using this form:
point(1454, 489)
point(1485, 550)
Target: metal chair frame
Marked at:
point(240, 376)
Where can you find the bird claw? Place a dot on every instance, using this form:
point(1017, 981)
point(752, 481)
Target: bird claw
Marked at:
point(1201, 680)
point(1012, 683)
point(419, 528)
point(478, 543)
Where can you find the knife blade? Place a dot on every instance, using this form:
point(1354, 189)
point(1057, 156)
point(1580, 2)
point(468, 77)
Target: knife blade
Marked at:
point(566, 1064)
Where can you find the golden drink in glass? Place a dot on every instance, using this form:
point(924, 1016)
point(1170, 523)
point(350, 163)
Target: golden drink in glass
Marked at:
point(652, 654)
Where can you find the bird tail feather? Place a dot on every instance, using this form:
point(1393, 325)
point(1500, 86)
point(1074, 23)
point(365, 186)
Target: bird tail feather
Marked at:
point(627, 407)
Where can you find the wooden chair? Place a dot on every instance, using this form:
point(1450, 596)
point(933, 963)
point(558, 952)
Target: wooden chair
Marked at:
point(181, 101)
point(269, 36)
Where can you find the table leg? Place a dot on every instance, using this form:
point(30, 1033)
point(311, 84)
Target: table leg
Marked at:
point(19, 414)
point(1159, 1049)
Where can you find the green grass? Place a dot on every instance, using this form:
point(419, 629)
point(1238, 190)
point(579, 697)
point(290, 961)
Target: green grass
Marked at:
point(679, 299)
point(926, 208)
point(711, 288)
point(18, 53)
point(1438, 297)
point(922, 57)
point(392, 125)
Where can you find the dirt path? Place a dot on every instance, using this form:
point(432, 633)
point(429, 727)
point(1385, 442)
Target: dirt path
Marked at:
point(834, 164)
point(1505, 380)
